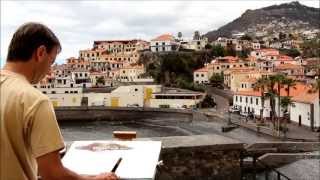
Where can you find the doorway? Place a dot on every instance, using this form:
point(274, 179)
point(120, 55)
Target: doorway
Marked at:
point(299, 120)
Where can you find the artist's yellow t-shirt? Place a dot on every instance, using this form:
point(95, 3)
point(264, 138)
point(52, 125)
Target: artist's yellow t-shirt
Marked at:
point(28, 127)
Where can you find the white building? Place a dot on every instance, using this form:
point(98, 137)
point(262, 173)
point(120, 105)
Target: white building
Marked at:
point(131, 73)
point(201, 76)
point(163, 43)
point(250, 101)
point(63, 96)
point(255, 45)
point(81, 78)
point(306, 110)
point(125, 96)
point(192, 44)
point(175, 98)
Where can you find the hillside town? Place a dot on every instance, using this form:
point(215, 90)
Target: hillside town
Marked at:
point(110, 74)
point(160, 90)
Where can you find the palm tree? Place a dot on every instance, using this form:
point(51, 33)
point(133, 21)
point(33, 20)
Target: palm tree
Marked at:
point(289, 83)
point(272, 93)
point(278, 80)
point(285, 103)
point(261, 85)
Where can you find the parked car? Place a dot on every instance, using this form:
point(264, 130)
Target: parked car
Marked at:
point(132, 105)
point(233, 109)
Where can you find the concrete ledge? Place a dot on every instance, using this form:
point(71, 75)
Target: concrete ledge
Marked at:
point(215, 142)
point(114, 114)
point(280, 159)
point(288, 147)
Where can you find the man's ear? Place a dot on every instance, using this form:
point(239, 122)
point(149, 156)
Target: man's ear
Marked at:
point(40, 53)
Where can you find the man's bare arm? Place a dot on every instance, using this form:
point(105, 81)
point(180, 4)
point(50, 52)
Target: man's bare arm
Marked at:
point(51, 168)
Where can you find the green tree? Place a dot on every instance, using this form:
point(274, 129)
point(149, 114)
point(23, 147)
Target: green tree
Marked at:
point(196, 35)
point(289, 83)
point(243, 53)
point(208, 102)
point(262, 85)
point(290, 52)
point(100, 80)
point(246, 37)
point(217, 80)
point(230, 51)
point(276, 80)
point(208, 46)
point(217, 51)
point(286, 102)
point(311, 48)
point(179, 35)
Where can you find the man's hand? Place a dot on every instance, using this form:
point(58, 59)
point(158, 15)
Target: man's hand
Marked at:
point(107, 176)
point(51, 168)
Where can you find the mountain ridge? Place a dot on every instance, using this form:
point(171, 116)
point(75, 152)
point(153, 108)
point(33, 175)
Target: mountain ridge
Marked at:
point(286, 13)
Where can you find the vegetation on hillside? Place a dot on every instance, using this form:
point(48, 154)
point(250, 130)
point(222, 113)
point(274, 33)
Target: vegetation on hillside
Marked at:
point(311, 48)
point(175, 69)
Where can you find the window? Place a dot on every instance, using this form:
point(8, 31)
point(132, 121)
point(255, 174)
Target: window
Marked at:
point(66, 92)
point(163, 43)
point(163, 49)
point(135, 89)
point(240, 99)
point(257, 101)
point(236, 98)
point(246, 99)
point(202, 75)
point(53, 92)
point(251, 100)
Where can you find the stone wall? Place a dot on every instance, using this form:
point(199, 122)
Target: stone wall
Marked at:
point(199, 157)
point(116, 114)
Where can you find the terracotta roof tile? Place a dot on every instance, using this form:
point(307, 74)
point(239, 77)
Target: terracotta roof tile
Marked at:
point(202, 70)
point(299, 93)
point(164, 37)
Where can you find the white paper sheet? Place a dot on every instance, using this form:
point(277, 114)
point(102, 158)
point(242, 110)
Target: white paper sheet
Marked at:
point(138, 162)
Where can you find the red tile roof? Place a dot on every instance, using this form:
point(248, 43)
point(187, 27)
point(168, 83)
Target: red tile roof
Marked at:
point(285, 58)
point(202, 70)
point(287, 66)
point(299, 93)
point(164, 37)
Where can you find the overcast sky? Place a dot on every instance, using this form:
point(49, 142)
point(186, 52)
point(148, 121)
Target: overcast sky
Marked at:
point(78, 23)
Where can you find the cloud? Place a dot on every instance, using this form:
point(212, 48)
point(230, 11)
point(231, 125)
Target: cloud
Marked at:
point(79, 23)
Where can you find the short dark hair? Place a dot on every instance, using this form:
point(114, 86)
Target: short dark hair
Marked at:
point(28, 38)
